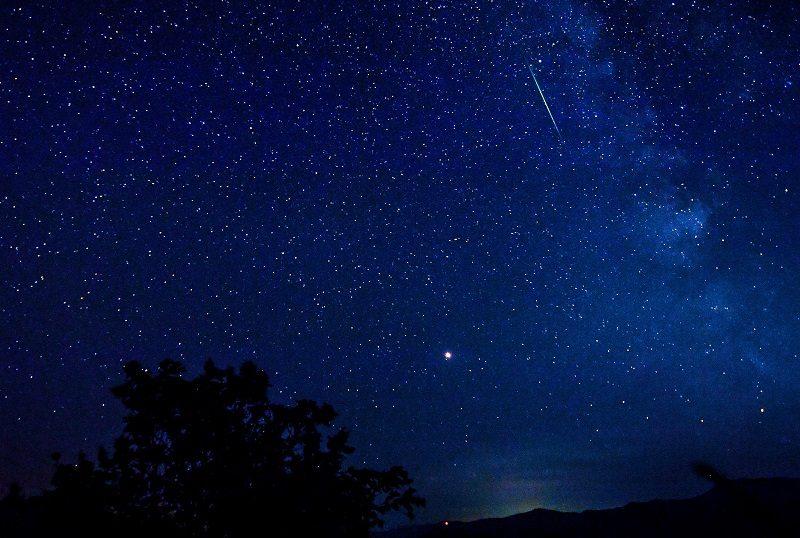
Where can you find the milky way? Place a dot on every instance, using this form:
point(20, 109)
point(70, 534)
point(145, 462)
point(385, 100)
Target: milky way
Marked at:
point(345, 193)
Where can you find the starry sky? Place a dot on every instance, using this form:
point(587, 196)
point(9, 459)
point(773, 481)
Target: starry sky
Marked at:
point(345, 192)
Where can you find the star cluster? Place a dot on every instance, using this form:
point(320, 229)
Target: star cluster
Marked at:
point(371, 202)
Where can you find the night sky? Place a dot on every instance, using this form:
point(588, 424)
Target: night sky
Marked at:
point(344, 192)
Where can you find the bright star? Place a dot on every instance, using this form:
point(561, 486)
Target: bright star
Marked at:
point(448, 355)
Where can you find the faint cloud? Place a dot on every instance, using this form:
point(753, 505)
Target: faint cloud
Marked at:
point(669, 233)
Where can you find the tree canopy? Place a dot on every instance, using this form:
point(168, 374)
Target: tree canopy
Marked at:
point(213, 456)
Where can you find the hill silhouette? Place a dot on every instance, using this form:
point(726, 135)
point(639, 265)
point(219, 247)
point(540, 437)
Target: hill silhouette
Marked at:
point(767, 507)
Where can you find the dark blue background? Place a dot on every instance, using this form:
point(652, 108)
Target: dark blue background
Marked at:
point(343, 192)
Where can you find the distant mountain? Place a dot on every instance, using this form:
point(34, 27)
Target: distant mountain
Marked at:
point(756, 508)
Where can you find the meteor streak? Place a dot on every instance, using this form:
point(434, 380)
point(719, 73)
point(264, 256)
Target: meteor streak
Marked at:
point(545, 102)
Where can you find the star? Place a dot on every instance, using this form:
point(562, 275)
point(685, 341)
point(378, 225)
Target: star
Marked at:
point(367, 206)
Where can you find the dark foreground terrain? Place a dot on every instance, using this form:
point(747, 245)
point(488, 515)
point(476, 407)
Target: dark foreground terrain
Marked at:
point(748, 507)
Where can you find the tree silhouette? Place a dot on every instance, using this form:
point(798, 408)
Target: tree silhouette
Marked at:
point(212, 456)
